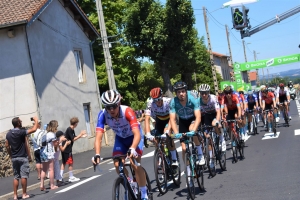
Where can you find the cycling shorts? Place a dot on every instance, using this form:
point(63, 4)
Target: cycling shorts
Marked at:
point(207, 119)
point(231, 114)
point(184, 125)
point(282, 99)
point(122, 145)
point(268, 106)
point(160, 125)
point(251, 106)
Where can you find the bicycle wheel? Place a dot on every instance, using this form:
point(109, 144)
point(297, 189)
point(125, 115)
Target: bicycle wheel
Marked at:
point(119, 191)
point(199, 176)
point(234, 152)
point(176, 176)
point(190, 181)
point(241, 145)
point(160, 172)
point(286, 118)
point(274, 127)
point(148, 185)
point(222, 160)
point(254, 124)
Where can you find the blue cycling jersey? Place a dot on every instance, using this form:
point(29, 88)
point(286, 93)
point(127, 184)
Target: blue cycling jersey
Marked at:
point(252, 100)
point(187, 111)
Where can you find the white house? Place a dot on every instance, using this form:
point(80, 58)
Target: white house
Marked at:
point(47, 66)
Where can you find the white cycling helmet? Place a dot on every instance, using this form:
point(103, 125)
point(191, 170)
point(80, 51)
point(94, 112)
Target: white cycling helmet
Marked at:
point(111, 97)
point(204, 88)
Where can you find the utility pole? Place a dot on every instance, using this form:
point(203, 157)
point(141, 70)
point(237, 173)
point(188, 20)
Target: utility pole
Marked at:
point(105, 44)
point(257, 77)
point(230, 55)
point(246, 60)
point(210, 52)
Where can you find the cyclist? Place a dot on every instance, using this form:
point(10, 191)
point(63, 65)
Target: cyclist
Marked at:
point(210, 114)
point(290, 84)
point(252, 104)
point(159, 107)
point(195, 92)
point(122, 120)
point(283, 96)
point(186, 106)
point(232, 106)
point(243, 109)
point(220, 98)
point(268, 102)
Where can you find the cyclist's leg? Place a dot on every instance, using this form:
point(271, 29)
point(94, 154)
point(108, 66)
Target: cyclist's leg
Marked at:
point(120, 149)
point(269, 117)
point(198, 143)
point(183, 126)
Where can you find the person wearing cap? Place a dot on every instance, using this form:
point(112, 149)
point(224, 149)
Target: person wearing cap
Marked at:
point(36, 149)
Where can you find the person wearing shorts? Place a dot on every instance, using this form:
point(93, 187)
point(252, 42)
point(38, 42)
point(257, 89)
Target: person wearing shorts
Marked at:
point(17, 149)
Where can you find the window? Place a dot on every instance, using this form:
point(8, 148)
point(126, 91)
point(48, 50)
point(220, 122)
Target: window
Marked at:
point(88, 120)
point(79, 65)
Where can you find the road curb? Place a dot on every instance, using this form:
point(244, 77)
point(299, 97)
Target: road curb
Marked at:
point(46, 182)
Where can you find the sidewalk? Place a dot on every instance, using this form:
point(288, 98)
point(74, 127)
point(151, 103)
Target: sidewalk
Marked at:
point(81, 161)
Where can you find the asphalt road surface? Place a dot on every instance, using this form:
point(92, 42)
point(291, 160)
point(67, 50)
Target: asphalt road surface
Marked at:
point(270, 170)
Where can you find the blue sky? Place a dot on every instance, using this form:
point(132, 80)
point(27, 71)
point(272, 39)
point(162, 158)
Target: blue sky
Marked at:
point(277, 40)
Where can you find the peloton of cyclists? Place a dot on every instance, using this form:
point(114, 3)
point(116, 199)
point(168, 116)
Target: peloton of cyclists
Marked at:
point(252, 105)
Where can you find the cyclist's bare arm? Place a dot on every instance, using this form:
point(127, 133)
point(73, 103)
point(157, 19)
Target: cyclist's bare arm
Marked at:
point(196, 124)
point(147, 124)
point(97, 143)
point(173, 122)
point(136, 138)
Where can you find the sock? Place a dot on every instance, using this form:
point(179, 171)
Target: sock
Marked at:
point(61, 173)
point(144, 192)
point(251, 124)
point(289, 113)
point(199, 149)
point(188, 171)
point(275, 115)
point(70, 174)
point(173, 153)
point(270, 125)
point(221, 138)
point(210, 154)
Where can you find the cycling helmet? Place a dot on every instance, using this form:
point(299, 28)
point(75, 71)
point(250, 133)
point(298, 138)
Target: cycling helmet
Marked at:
point(179, 85)
point(228, 89)
point(204, 88)
point(156, 93)
point(241, 92)
point(250, 92)
point(111, 97)
point(281, 85)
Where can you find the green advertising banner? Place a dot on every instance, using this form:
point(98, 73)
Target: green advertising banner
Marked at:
point(224, 84)
point(247, 86)
point(267, 63)
point(238, 78)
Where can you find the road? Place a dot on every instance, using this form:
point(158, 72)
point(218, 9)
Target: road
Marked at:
point(270, 171)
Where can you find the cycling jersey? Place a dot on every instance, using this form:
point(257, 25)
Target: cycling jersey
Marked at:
point(161, 112)
point(123, 126)
point(282, 93)
point(185, 112)
point(235, 102)
point(243, 98)
point(211, 106)
point(251, 100)
point(269, 98)
point(220, 99)
point(238, 95)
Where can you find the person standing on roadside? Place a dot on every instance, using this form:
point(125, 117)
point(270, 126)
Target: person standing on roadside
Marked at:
point(16, 147)
point(67, 156)
point(36, 149)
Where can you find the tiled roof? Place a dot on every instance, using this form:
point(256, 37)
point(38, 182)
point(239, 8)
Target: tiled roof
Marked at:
point(18, 11)
point(219, 55)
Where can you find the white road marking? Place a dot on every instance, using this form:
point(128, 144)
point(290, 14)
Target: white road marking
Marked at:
point(297, 132)
point(182, 173)
point(77, 184)
point(270, 136)
point(110, 162)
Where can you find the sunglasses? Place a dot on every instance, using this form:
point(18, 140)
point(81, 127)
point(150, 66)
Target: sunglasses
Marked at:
point(111, 107)
point(157, 99)
point(227, 93)
point(202, 93)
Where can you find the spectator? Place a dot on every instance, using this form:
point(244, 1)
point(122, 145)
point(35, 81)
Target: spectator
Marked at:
point(36, 149)
point(67, 157)
point(16, 147)
point(47, 154)
point(58, 147)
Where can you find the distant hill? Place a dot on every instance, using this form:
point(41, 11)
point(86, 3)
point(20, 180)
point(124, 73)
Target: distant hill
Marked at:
point(293, 73)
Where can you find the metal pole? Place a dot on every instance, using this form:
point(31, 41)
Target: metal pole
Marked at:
point(210, 52)
point(257, 76)
point(246, 61)
point(105, 44)
point(230, 55)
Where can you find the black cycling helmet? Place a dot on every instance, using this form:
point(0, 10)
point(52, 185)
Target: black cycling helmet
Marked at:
point(179, 85)
point(241, 92)
point(228, 89)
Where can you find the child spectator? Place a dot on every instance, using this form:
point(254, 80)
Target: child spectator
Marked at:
point(59, 146)
point(67, 156)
